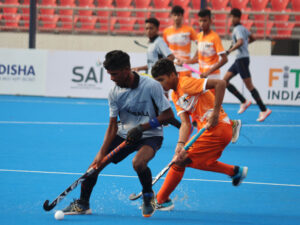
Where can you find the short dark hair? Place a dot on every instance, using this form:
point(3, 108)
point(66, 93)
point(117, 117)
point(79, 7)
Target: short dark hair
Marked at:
point(163, 66)
point(116, 60)
point(153, 20)
point(204, 12)
point(177, 10)
point(236, 12)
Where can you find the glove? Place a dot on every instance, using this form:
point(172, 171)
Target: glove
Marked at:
point(134, 134)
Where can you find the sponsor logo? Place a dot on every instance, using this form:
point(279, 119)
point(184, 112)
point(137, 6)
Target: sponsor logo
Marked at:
point(284, 84)
point(17, 72)
point(85, 77)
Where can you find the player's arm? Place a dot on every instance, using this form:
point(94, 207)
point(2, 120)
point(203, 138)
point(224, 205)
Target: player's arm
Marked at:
point(171, 57)
point(219, 86)
point(218, 65)
point(238, 44)
point(110, 134)
point(251, 38)
point(193, 60)
point(184, 134)
point(139, 68)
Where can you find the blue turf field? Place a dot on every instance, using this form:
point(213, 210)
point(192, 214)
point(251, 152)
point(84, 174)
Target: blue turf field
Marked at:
point(46, 143)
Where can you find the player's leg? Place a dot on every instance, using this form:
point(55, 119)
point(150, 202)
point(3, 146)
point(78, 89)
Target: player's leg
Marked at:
point(246, 76)
point(147, 149)
point(209, 149)
point(173, 178)
point(234, 70)
point(82, 205)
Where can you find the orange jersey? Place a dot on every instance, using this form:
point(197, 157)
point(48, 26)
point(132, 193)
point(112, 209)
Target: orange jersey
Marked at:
point(179, 40)
point(192, 97)
point(209, 48)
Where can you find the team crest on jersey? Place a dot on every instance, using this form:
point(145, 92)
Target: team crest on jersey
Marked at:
point(187, 102)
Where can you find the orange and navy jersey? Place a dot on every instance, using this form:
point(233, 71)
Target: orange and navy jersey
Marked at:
point(179, 40)
point(192, 97)
point(209, 48)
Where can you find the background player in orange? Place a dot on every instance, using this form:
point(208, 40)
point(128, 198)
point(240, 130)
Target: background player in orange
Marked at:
point(179, 38)
point(191, 98)
point(209, 49)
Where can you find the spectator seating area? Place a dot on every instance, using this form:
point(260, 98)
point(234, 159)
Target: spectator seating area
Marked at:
point(265, 18)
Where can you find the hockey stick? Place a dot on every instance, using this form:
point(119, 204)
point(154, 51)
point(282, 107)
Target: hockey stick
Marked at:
point(89, 173)
point(139, 44)
point(191, 68)
point(134, 196)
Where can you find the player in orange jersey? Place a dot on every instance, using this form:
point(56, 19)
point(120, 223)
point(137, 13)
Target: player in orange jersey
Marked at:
point(210, 49)
point(192, 98)
point(179, 38)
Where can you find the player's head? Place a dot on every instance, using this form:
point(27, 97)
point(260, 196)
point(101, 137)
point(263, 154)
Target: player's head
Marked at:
point(164, 72)
point(204, 19)
point(152, 27)
point(177, 13)
point(235, 16)
point(117, 64)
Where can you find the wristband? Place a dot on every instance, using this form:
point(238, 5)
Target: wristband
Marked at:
point(154, 123)
point(182, 142)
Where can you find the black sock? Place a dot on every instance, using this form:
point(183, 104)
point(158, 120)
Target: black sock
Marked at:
point(87, 188)
point(236, 93)
point(146, 180)
point(258, 100)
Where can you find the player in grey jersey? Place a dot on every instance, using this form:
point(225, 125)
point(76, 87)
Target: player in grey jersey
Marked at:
point(157, 47)
point(241, 37)
point(142, 107)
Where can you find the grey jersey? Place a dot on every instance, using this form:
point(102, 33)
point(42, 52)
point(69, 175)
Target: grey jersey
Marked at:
point(138, 105)
point(241, 32)
point(156, 50)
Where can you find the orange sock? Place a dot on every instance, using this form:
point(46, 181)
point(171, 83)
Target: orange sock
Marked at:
point(173, 178)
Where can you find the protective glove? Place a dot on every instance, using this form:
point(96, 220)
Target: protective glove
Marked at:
point(134, 134)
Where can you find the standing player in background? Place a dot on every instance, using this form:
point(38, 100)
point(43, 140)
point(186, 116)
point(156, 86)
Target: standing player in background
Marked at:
point(241, 37)
point(157, 49)
point(179, 38)
point(209, 49)
point(191, 98)
point(141, 106)
point(208, 54)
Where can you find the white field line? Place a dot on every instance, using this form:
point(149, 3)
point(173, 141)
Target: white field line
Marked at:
point(105, 124)
point(126, 176)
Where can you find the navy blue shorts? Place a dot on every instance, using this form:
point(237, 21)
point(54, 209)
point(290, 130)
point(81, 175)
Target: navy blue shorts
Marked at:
point(154, 142)
point(241, 66)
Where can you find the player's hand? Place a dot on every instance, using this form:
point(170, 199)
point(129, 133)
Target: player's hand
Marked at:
point(203, 75)
point(97, 161)
point(178, 62)
point(135, 69)
point(180, 154)
point(134, 134)
point(212, 120)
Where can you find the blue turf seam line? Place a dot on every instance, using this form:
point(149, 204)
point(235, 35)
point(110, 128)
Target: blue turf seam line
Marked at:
point(127, 176)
